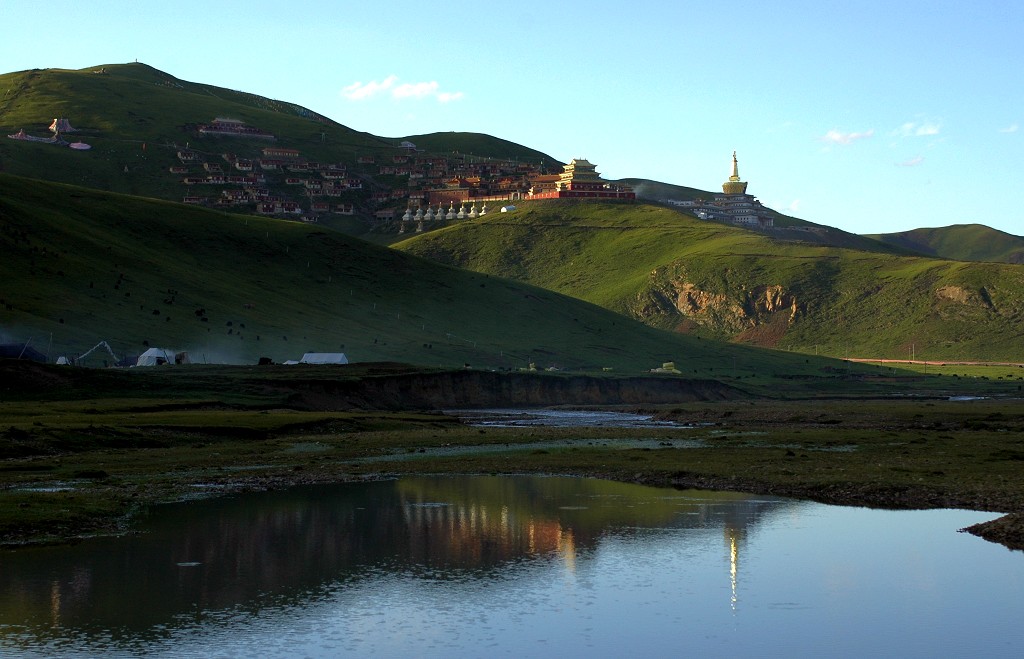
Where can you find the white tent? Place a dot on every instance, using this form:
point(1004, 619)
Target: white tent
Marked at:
point(155, 357)
point(324, 358)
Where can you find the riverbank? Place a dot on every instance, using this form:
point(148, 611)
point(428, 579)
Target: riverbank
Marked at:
point(80, 465)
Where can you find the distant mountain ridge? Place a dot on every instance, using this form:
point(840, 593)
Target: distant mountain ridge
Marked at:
point(960, 242)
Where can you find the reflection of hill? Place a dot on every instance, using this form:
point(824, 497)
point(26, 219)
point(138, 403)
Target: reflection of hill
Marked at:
point(252, 551)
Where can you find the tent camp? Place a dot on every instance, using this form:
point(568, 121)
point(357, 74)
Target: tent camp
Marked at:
point(159, 357)
point(324, 358)
point(155, 357)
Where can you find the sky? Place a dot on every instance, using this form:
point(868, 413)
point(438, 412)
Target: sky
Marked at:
point(870, 116)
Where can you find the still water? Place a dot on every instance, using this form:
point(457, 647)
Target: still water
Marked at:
point(518, 566)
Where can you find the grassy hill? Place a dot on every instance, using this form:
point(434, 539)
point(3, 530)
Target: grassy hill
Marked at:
point(676, 272)
point(960, 242)
point(82, 266)
point(786, 227)
point(137, 118)
point(478, 144)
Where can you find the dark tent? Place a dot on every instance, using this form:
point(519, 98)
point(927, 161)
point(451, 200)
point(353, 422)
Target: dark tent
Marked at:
point(21, 351)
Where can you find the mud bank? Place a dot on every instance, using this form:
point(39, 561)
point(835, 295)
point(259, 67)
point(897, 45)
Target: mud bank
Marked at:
point(478, 389)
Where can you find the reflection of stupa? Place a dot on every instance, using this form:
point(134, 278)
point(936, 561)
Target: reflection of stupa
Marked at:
point(734, 536)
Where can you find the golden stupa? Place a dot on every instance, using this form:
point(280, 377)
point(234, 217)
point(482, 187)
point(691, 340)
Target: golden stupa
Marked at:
point(734, 185)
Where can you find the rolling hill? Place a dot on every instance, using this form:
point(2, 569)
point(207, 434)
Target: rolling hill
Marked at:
point(801, 286)
point(139, 120)
point(676, 272)
point(82, 266)
point(136, 118)
point(960, 242)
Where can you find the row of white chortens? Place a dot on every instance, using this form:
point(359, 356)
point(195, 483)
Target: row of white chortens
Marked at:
point(451, 214)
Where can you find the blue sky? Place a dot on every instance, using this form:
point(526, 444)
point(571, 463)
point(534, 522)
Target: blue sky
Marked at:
point(869, 116)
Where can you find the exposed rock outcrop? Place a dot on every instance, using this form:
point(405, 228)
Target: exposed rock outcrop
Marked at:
point(735, 316)
point(965, 296)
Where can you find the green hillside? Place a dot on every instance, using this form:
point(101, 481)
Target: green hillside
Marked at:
point(677, 272)
point(82, 266)
point(138, 120)
point(478, 144)
point(785, 227)
point(960, 242)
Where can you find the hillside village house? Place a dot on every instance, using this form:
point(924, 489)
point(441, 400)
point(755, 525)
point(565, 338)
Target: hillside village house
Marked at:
point(233, 127)
point(279, 152)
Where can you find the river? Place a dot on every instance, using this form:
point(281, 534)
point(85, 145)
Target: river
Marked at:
point(517, 566)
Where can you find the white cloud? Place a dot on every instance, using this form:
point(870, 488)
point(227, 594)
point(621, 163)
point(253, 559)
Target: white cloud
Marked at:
point(836, 137)
point(916, 129)
point(912, 162)
point(415, 89)
point(1012, 128)
point(359, 91)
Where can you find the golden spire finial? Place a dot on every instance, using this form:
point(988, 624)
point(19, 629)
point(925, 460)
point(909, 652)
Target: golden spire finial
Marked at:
point(734, 185)
point(735, 168)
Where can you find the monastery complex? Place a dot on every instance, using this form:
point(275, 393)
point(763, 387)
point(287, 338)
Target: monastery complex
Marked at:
point(429, 188)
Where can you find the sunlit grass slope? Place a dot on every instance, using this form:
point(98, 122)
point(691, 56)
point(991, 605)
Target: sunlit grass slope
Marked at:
point(136, 118)
point(675, 271)
point(82, 266)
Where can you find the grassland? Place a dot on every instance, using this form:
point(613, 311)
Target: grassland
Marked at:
point(84, 449)
point(677, 272)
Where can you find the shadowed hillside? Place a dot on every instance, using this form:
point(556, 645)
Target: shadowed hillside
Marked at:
point(81, 266)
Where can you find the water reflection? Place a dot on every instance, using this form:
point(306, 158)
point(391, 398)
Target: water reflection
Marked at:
point(559, 418)
point(308, 568)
